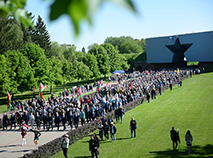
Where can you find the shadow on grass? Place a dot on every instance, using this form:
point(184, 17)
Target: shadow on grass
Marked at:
point(123, 138)
point(197, 151)
point(82, 156)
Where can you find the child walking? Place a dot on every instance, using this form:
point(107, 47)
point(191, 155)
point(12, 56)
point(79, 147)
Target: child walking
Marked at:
point(37, 134)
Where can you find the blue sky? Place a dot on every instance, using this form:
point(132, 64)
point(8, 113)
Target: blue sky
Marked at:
point(155, 18)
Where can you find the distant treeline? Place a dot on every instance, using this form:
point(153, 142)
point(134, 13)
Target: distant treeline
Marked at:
point(28, 57)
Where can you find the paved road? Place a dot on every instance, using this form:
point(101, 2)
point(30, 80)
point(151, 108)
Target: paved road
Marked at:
point(10, 142)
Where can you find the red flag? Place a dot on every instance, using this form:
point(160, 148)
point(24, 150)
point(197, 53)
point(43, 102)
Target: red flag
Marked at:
point(41, 88)
point(8, 101)
point(98, 88)
point(107, 83)
point(131, 85)
point(146, 72)
point(79, 95)
point(25, 125)
point(119, 82)
point(33, 89)
point(102, 83)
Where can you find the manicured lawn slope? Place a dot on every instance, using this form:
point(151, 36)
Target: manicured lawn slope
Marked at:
point(189, 107)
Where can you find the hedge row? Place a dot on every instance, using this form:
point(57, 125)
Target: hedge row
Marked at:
point(54, 146)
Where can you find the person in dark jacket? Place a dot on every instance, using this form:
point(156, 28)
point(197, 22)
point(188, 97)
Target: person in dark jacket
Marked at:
point(100, 127)
point(188, 139)
point(82, 116)
point(70, 118)
point(50, 121)
point(38, 120)
point(76, 120)
point(26, 117)
point(88, 114)
point(45, 120)
point(121, 113)
point(94, 144)
point(63, 120)
point(106, 130)
point(13, 121)
point(113, 131)
point(117, 114)
point(5, 121)
point(37, 134)
point(133, 127)
point(175, 138)
point(19, 118)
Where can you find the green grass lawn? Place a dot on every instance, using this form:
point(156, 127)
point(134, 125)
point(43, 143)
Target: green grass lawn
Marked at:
point(189, 107)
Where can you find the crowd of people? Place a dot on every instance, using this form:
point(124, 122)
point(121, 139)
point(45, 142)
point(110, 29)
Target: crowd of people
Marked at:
point(66, 111)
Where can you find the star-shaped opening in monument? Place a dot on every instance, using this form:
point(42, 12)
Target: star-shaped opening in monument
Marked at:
point(178, 50)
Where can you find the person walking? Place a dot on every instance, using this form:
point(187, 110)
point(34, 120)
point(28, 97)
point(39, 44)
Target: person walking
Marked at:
point(70, 119)
point(82, 116)
point(50, 121)
point(94, 144)
point(32, 119)
point(5, 121)
point(76, 120)
point(45, 120)
point(57, 120)
point(65, 144)
point(13, 121)
point(23, 134)
point(100, 127)
point(106, 131)
point(122, 113)
point(175, 138)
point(133, 127)
point(26, 117)
point(63, 120)
point(188, 139)
point(37, 134)
point(38, 120)
point(113, 131)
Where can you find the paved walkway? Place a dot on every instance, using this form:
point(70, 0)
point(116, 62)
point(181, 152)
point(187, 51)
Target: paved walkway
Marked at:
point(10, 144)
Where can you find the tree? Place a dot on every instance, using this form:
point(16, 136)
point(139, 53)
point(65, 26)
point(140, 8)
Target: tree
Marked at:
point(91, 61)
point(21, 73)
point(68, 71)
point(125, 44)
point(102, 57)
point(69, 54)
point(11, 35)
point(38, 62)
point(5, 81)
point(114, 57)
point(55, 71)
point(83, 50)
point(41, 36)
point(92, 45)
point(82, 71)
point(57, 51)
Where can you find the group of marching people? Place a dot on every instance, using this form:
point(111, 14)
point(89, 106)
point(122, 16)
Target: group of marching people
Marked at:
point(63, 110)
